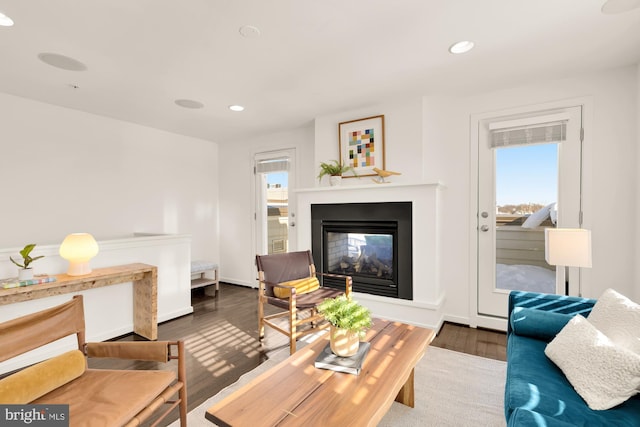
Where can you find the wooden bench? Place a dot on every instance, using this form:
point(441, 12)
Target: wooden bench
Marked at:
point(205, 273)
point(295, 393)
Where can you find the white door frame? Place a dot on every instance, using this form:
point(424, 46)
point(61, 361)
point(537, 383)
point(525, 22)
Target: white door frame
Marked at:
point(256, 202)
point(476, 319)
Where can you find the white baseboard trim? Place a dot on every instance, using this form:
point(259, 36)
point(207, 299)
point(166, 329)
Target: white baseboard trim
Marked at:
point(174, 314)
point(238, 282)
point(457, 319)
point(497, 323)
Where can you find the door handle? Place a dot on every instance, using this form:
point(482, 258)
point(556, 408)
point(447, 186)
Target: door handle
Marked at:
point(484, 228)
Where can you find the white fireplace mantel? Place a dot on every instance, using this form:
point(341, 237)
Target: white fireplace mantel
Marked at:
point(367, 187)
point(428, 296)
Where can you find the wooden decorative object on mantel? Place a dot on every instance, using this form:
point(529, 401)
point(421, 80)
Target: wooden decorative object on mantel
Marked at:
point(145, 291)
point(382, 174)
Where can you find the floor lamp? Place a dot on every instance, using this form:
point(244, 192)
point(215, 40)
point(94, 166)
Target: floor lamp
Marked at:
point(568, 247)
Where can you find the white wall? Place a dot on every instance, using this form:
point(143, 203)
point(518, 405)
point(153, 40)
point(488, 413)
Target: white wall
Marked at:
point(610, 186)
point(66, 171)
point(403, 139)
point(237, 198)
point(446, 156)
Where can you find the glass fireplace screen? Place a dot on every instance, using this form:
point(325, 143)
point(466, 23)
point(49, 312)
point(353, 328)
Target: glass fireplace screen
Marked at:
point(360, 254)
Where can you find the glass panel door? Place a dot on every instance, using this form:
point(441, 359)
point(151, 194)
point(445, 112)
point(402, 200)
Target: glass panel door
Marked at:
point(526, 195)
point(521, 185)
point(277, 212)
point(274, 214)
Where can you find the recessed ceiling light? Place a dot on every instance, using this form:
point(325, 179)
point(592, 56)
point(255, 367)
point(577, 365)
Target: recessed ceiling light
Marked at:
point(236, 107)
point(249, 31)
point(5, 21)
point(461, 47)
point(61, 61)
point(189, 103)
point(611, 7)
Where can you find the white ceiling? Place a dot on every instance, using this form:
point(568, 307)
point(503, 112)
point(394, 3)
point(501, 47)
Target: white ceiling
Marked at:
point(313, 57)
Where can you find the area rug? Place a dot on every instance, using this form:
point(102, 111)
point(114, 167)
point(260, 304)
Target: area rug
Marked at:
point(451, 389)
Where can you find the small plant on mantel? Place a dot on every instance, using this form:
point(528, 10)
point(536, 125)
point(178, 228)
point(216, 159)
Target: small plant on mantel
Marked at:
point(334, 168)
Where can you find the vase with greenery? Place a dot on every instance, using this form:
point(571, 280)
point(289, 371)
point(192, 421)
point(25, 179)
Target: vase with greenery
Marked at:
point(26, 272)
point(334, 169)
point(349, 321)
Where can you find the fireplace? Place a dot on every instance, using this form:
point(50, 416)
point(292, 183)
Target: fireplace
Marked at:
point(372, 242)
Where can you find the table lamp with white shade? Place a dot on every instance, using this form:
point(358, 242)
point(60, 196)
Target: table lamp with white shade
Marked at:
point(568, 247)
point(78, 249)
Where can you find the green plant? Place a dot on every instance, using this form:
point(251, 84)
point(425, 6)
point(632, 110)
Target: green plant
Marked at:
point(26, 258)
point(334, 168)
point(345, 313)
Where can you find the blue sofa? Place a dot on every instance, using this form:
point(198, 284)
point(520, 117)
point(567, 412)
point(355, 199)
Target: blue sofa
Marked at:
point(537, 393)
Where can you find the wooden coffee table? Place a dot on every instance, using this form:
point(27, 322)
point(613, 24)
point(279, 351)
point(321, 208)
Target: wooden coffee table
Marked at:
point(295, 393)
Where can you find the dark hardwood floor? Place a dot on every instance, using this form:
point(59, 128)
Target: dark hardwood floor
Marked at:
point(477, 341)
point(221, 340)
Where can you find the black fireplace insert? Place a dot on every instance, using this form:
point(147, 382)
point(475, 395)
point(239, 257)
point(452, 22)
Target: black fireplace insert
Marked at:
point(372, 242)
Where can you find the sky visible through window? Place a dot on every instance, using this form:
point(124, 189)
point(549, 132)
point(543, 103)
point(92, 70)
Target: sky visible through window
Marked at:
point(277, 178)
point(527, 174)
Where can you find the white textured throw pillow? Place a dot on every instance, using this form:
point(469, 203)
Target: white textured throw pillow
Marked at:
point(618, 318)
point(603, 374)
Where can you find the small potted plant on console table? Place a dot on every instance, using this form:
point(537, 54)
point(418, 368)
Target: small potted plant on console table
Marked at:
point(349, 321)
point(26, 272)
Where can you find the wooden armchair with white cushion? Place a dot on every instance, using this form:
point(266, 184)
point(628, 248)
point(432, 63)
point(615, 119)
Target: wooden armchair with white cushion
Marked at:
point(96, 397)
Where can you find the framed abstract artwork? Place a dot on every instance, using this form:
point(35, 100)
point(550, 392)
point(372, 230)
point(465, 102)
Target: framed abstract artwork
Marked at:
point(362, 145)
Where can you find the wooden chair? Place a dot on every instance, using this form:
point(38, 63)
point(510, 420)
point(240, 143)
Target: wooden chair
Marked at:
point(289, 281)
point(94, 396)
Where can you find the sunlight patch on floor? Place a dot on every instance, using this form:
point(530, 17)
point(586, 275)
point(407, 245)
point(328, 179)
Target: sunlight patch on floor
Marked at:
point(211, 347)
